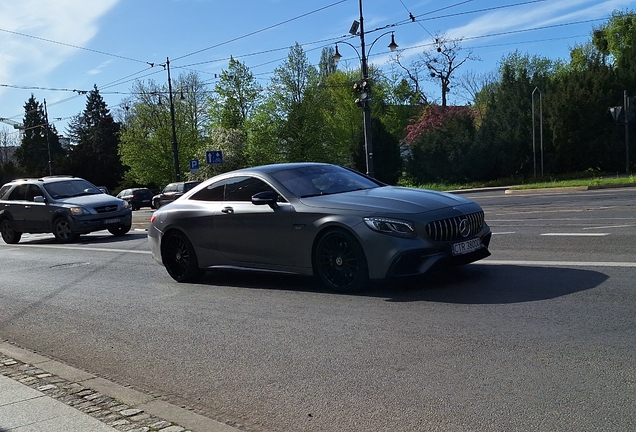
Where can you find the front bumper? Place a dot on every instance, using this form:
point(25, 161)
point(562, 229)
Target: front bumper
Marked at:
point(87, 224)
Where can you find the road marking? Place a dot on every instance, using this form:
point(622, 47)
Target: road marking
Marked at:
point(559, 263)
point(576, 234)
point(505, 232)
point(610, 226)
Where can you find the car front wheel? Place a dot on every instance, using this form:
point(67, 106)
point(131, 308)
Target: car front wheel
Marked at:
point(62, 231)
point(9, 234)
point(120, 230)
point(179, 258)
point(340, 262)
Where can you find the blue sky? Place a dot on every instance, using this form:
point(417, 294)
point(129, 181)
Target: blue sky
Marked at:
point(52, 47)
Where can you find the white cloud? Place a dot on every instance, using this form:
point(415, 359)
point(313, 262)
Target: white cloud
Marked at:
point(27, 60)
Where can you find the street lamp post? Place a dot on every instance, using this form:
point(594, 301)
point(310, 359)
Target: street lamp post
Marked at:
point(366, 101)
point(175, 146)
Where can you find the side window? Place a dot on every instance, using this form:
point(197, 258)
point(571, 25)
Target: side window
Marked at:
point(214, 192)
point(4, 190)
point(19, 193)
point(243, 188)
point(172, 187)
point(33, 191)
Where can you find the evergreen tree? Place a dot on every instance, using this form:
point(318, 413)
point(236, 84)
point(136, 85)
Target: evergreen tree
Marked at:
point(40, 152)
point(95, 135)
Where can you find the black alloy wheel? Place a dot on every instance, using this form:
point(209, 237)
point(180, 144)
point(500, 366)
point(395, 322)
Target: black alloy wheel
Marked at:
point(62, 231)
point(120, 230)
point(9, 234)
point(340, 262)
point(179, 258)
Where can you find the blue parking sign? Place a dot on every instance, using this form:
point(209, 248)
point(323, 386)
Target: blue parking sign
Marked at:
point(214, 157)
point(194, 166)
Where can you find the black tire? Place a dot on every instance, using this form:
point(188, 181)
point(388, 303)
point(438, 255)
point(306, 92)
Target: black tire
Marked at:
point(340, 262)
point(63, 232)
point(120, 230)
point(9, 234)
point(179, 258)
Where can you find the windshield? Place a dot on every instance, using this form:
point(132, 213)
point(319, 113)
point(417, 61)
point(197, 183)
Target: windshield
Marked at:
point(70, 188)
point(322, 180)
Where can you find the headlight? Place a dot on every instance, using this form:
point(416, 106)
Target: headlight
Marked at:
point(78, 211)
point(391, 226)
point(125, 204)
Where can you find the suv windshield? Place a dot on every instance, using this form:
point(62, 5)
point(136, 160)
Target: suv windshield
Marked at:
point(70, 188)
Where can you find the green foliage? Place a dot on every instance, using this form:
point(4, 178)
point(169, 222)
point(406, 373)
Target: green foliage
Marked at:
point(617, 38)
point(441, 146)
point(237, 94)
point(146, 138)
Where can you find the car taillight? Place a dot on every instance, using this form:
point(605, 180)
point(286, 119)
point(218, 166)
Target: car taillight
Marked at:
point(152, 218)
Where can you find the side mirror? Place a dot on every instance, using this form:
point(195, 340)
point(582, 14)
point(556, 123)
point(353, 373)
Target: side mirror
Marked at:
point(265, 198)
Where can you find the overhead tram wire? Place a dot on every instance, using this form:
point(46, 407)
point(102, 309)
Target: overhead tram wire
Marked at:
point(261, 30)
point(72, 46)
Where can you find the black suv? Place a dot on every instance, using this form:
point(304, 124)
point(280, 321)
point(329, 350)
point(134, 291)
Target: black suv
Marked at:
point(172, 192)
point(63, 205)
point(137, 197)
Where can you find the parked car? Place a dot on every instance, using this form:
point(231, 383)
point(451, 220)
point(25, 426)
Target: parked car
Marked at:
point(314, 218)
point(62, 205)
point(104, 189)
point(171, 192)
point(137, 197)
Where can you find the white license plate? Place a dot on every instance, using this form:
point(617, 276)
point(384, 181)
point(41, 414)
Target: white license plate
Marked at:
point(467, 246)
point(112, 221)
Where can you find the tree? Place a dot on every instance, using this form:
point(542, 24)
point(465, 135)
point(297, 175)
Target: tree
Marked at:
point(40, 152)
point(442, 60)
point(617, 38)
point(237, 95)
point(95, 138)
point(441, 144)
point(301, 102)
point(146, 138)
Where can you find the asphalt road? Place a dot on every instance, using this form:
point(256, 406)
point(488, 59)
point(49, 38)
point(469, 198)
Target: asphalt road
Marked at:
point(540, 336)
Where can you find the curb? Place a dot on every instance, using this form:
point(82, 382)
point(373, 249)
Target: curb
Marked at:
point(122, 408)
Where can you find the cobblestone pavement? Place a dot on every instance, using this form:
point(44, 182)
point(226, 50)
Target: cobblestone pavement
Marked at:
point(104, 408)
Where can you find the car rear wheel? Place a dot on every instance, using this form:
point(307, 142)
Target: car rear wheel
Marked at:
point(9, 234)
point(179, 258)
point(340, 262)
point(120, 230)
point(62, 231)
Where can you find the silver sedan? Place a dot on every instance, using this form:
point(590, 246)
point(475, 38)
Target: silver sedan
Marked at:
point(315, 219)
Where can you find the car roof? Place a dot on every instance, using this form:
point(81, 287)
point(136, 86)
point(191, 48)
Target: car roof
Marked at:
point(45, 179)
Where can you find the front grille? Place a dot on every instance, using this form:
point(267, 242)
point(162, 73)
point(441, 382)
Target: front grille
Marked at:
point(449, 229)
point(106, 209)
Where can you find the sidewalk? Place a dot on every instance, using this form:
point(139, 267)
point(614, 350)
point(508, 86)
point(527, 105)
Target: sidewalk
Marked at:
point(24, 409)
point(38, 394)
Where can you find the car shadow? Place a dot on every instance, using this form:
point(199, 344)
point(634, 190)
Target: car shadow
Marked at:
point(489, 284)
point(93, 238)
point(471, 284)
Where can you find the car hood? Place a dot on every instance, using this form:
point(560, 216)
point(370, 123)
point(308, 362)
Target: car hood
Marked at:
point(387, 199)
point(94, 200)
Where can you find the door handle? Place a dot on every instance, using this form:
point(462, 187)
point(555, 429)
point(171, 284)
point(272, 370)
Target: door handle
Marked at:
point(227, 210)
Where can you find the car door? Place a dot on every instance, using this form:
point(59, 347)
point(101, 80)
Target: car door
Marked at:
point(15, 207)
point(249, 233)
point(37, 213)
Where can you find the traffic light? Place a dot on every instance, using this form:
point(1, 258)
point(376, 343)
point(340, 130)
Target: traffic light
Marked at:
point(363, 88)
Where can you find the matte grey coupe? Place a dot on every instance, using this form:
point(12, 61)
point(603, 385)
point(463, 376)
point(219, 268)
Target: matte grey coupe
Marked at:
point(315, 219)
